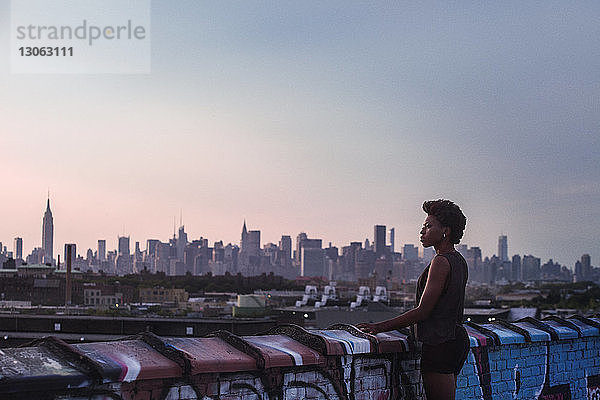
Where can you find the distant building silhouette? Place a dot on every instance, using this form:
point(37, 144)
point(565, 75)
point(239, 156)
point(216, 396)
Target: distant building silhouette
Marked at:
point(586, 266)
point(379, 236)
point(503, 248)
point(350, 254)
point(182, 241)
point(253, 243)
point(48, 235)
point(244, 238)
point(516, 270)
point(285, 246)
point(89, 258)
point(299, 239)
point(531, 268)
point(123, 261)
point(163, 252)
point(36, 256)
point(251, 260)
point(124, 246)
point(312, 259)
point(18, 248)
point(410, 252)
point(578, 276)
point(101, 255)
point(138, 265)
point(551, 271)
point(428, 254)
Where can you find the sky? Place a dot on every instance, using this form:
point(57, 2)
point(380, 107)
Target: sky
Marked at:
point(324, 117)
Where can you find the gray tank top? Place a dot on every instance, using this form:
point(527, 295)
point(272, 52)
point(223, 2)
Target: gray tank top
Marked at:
point(448, 313)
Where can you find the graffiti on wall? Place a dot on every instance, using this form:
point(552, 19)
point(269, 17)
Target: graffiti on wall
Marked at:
point(530, 359)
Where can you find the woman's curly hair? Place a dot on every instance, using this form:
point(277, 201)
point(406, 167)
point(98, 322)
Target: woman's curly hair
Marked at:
point(449, 215)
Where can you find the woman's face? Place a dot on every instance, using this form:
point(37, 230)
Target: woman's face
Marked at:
point(432, 232)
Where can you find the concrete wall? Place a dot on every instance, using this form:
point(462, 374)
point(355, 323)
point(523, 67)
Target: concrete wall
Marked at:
point(22, 328)
point(530, 359)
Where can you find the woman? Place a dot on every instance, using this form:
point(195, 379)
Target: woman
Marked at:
point(440, 298)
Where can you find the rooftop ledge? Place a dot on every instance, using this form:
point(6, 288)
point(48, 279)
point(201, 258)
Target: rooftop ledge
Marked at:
point(526, 358)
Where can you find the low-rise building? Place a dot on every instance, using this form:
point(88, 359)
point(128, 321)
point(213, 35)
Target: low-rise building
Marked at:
point(35, 270)
point(102, 297)
point(162, 295)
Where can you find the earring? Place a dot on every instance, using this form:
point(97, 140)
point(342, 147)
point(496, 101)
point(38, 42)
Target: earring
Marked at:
point(444, 236)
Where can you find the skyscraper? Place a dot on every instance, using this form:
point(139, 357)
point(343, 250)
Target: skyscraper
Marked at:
point(299, 240)
point(503, 248)
point(392, 240)
point(244, 239)
point(428, 254)
point(586, 266)
point(18, 248)
point(285, 245)
point(124, 246)
point(530, 268)
point(312, 260)
point(181, 242)
point(379, 235)
point(48, 235)
point(310, 244)
point(101, 250)
point(516, 271)
point(137, 259)
point(578, 272)
point(123, 261)
point(410, 252)
point(254, 242)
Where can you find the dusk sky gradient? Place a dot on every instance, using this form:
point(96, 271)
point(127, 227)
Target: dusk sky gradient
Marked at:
point(319, 117)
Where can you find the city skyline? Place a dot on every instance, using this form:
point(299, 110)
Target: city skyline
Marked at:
point(381, 237)
point(318, 117)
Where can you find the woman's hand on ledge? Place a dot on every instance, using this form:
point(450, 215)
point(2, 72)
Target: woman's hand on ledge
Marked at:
point(372, 329)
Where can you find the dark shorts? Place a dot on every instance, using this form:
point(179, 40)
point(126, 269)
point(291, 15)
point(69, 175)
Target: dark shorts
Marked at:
point(447, 357)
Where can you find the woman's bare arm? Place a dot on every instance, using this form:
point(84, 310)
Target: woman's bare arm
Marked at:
point(436, 280)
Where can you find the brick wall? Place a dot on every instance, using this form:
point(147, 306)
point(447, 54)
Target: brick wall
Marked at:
point(530, 359)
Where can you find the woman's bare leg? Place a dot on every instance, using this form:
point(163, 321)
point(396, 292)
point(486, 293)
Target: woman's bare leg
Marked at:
point(439, 386)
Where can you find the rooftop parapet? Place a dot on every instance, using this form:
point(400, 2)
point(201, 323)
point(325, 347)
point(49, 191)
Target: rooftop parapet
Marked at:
point(544, 359)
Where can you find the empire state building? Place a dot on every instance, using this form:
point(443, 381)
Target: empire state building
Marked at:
point(48, 235)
